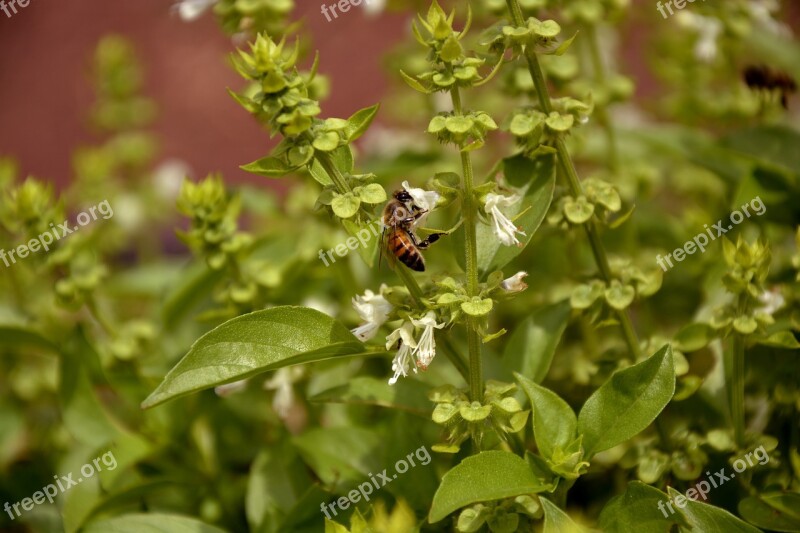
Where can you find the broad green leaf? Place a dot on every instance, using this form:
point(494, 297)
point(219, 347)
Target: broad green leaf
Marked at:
point(556, 520)
point(492, 475)
point(358, 123)
point(535, 181)
point(151, 523)
point(627, 403)
point(271, 167)
point(406, 395)
point(254, 343)
point(640, 508)
point(554, 421)
point(22, 338)
point(341, 456)
point(532, 345)
point(774, 511)
point(704, 517)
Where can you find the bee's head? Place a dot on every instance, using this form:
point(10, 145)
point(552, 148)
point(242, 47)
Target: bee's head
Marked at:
point(402, 195)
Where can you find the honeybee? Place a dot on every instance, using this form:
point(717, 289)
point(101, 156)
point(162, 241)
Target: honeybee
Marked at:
point(399, 216)
point(762, 77)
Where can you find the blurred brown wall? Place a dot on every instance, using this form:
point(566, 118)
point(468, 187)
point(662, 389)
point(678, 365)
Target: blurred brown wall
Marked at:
point(45, 91)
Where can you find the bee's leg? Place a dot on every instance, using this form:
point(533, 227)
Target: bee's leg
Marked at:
point(432, 238)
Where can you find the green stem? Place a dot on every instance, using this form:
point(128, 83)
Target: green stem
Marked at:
point(737, 390)
point(576, 189)
point(338, 179)
point(404, 274)
point(470, 213)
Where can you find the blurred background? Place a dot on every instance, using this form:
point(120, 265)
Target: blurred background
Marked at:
point(45, 89)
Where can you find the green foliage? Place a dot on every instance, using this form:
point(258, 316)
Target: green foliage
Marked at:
point(622, 388)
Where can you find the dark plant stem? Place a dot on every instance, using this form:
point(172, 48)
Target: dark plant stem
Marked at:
point(574, 183)
point(737, 390)
point(470, 212)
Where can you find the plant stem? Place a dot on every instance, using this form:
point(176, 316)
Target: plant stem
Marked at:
point(404, 274)
point(470, 212)
point(327, 163)
point(737, 390)
point(576, 189)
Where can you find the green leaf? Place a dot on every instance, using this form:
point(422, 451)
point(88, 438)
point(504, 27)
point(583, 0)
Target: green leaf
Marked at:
point(637, 509)
point(413, 83)
point(341, 456)
point(458, 124)
point(563, 47)
point(558, 122)
point(406, 395)
point(583, 296)
point(556, 520)
point(619, 296)
point(627, 403)
point(345, 205)
point(318, 172)
point(342, 159)
point(781, 339)
point(327, 141)
point(578, 210)
point(358, 123)
point(252, 344)
point(24, 338)
point(775, 511)
point(492, 475)
point(694, 337)
point(271, 167)
point(374, 193)
point(277, 480)
point(477, 306)
point(535, 181)
point(554, 422)
point(705, 517)
point(150, 523)
point(531, 347)
point(369, 233)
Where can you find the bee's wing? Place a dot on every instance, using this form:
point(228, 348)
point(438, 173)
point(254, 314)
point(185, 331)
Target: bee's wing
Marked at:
point(381, 245)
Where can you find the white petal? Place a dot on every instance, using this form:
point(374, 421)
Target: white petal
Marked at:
point(190, 10)
point(515, 283)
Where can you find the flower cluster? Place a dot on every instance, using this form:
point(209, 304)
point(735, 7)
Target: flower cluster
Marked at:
point(462, 418)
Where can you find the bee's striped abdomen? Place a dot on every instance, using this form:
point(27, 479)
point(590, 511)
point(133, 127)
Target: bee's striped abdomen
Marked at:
point(401, 246)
